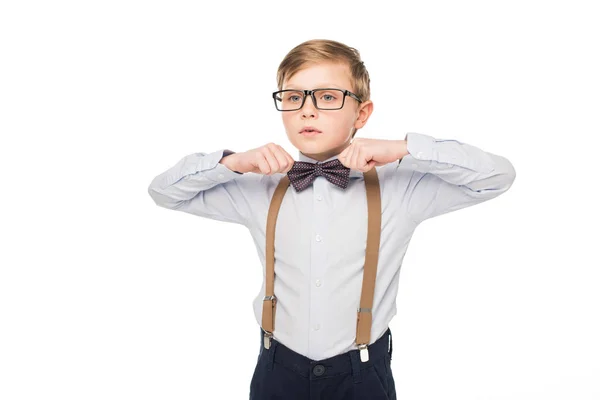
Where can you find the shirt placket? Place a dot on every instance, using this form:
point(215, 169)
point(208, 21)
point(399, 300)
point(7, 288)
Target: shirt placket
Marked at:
point(317, 266)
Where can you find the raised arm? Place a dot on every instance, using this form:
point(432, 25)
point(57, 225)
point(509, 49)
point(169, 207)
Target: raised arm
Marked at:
point(200, 184)
point(448, 175)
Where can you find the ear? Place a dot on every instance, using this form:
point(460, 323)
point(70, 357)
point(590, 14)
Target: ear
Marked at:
point(364, 112)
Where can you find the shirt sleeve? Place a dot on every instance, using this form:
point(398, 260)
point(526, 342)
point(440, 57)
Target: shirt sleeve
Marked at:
point(198, 184)
point(447, 175)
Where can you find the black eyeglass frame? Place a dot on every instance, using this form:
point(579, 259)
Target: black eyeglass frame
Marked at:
point(311, 93)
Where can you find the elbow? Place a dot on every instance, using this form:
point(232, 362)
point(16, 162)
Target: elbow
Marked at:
point(509, 173)
point(503, 173)
point(505, 176)
point(502, 178)
point(154, 195)
point(160, 199)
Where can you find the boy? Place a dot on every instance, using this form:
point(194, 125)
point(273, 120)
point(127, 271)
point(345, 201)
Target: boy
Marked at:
point(342, 225)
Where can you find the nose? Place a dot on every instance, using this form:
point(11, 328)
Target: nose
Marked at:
point(309, 107)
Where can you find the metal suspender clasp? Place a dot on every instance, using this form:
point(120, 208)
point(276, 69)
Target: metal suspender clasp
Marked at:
point(271, 298)
point(269, 335)
point(267, 339)
point(364, 352)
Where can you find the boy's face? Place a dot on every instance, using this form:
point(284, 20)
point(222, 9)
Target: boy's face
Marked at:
point(336, 125)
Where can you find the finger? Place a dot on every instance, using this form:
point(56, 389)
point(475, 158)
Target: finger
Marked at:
point(343, 153)
point(354, 158)
point(286, 159)
point(365, 160)
point(291, 162)
point(348, 157)
point(271, 160)
point(344, 161)
point(282, 159)
point(263, 165)
point(361, 160)
point(268, 160)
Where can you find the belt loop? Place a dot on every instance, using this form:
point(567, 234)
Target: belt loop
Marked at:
point(355, 365)
point(391, 347)
point(271, 355)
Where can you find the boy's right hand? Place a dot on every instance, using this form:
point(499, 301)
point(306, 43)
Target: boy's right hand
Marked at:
point(267, 160)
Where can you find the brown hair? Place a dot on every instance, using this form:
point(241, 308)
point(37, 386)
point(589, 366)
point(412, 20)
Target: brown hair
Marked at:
point(323, 50)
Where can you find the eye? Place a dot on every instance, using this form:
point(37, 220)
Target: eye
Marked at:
point(328, 97)
point(293, 97)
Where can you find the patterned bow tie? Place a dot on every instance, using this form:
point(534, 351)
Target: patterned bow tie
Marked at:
point(304, 173)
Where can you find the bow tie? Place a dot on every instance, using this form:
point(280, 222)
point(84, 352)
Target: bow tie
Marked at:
point(304, 173)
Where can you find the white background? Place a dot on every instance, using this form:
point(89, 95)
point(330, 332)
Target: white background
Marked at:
point(104, 295)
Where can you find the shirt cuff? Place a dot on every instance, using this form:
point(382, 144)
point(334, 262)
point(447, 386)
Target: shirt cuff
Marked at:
point(214, 170)
point(420, 152)
point(227, 152)
point(420, 146)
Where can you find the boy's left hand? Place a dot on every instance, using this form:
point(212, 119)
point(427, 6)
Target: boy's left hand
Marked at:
point(364, 154)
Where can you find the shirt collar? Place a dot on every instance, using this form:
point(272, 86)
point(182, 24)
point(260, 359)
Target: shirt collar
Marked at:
point(353, 172)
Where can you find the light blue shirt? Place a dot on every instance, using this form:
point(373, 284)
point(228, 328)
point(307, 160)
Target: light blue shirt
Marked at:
point(321, 232)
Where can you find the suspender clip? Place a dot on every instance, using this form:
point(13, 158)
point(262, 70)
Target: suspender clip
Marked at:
point(267, 340)
point(364, 352)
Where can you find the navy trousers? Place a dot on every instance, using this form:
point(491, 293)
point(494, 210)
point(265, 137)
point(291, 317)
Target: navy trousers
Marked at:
point(283, 374)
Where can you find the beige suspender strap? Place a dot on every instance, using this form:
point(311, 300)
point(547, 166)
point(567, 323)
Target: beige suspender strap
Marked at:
point(364, 317)
point(270, 301)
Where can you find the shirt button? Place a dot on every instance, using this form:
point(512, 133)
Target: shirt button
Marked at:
point(318, 282)
point(220, 176)
point(318, 237)
point(319, 198)
point(319, 370)
point(317, 327)
point(419, 154)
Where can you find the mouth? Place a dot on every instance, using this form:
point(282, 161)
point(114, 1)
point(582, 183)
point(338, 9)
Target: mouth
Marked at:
point(310, 131)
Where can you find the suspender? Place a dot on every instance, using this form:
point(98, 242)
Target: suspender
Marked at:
point(364, 312)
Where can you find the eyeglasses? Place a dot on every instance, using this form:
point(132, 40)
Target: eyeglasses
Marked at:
point(323, 98)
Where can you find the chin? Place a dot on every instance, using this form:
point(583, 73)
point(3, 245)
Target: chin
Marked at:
point(313, 147)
